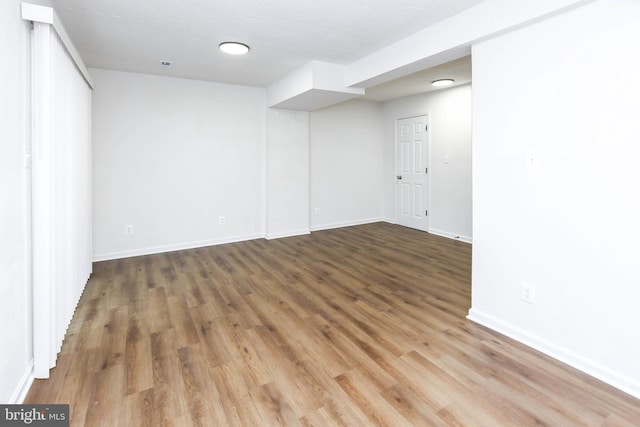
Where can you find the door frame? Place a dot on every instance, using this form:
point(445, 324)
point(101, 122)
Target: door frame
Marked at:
point(427, 227)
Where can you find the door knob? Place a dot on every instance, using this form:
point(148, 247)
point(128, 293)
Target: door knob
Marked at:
point(399, 177)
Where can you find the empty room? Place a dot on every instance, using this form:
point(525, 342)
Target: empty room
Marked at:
point(280, 213)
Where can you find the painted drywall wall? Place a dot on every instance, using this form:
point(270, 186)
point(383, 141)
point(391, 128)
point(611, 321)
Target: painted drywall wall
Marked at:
point(287, 173)
point(449, 113)
point(171, 157)
point(555, 187)
point(346, 164)
point(16, 357)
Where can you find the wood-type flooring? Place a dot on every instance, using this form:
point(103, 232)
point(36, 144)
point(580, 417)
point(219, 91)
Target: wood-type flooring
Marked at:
point(359, 326)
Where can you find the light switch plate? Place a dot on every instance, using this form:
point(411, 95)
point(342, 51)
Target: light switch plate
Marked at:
point(532, 160)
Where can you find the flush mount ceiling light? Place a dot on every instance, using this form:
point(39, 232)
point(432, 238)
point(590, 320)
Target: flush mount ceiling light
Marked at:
point(234, 48)
point(442, 82)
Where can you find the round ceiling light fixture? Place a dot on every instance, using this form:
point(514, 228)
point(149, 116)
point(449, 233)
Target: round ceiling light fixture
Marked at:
point(234, 48)
point(442, 82)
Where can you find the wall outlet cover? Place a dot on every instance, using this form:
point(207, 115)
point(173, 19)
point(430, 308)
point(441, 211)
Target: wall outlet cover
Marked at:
point(528, 293)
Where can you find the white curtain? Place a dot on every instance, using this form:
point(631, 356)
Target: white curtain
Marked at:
point(61, 192)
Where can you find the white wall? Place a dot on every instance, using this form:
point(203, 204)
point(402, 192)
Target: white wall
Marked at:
point(170, 156)
point(449, 113)
point(16, 356)
point(287, 177)
point(346, 164)
point(567, 90)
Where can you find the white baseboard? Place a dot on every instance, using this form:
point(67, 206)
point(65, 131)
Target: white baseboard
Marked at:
point(23, 386)
point(233, 239)
point(345, 224)
point(175, 247)
point(627, 385)
point(271, 236)
point(453, 236)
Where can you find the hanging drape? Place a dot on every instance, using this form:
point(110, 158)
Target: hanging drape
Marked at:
point(61, 189)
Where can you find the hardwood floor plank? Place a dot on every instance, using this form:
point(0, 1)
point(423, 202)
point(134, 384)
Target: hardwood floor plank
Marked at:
point(335, 401)
point(281, 363)
point(113, 340)
point(77, 386)
point(106, 405)
point(355, 326)
point(138, 363)
point(357, 353)
point(236, 401)
point(205, 404)
point(139, 409)
point(169, 390)
point(362, 392)
point(508, 388)
point(412, 407)
point(181, 321)
point(273, 407)
point(239, 307)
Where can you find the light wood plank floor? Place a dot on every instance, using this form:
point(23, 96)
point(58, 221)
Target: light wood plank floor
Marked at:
point(350, 327)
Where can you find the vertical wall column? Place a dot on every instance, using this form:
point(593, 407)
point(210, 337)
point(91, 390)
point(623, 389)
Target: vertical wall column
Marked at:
point(287, 173)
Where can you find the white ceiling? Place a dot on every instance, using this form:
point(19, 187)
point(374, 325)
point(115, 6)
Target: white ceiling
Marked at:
point(135, 35)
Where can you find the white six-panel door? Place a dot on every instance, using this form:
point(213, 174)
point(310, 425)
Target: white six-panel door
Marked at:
point(412, 156)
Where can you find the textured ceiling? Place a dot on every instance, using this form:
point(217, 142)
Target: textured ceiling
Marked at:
point(135, 35)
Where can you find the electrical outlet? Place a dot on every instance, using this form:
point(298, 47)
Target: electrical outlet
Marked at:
point(128, 230)
point(528, 293)
point(222, 220)
point(316, 211)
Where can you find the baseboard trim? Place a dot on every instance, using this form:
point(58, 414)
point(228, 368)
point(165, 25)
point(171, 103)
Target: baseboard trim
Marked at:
point(171, 248)
point(199, 244)
point(281, 235)
point(452, 236)
point(346, 224)
point(23, 386)
point(627, 385)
